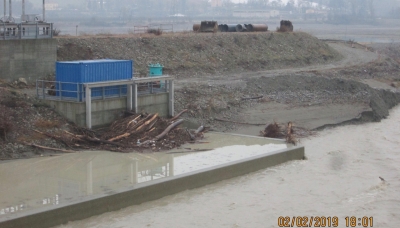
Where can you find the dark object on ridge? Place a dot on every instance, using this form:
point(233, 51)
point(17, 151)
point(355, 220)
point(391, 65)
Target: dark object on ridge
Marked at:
point(286, 26)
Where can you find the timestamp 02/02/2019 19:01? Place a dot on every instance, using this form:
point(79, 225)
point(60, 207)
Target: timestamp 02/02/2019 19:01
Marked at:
point(322, 221)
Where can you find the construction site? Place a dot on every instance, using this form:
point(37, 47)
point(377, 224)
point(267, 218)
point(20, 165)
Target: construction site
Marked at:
point(156, 112)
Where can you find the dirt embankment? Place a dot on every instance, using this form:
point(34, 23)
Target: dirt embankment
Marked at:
point(191, 55)
point(208, 103)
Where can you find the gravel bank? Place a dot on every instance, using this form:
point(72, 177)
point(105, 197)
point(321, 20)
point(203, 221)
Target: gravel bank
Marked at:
point(188, 55)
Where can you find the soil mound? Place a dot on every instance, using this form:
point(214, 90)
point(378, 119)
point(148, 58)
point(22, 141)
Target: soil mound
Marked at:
point(188, 55)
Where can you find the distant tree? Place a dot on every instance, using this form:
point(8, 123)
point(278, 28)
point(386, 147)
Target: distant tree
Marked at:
point(257, 4)
point(290, 5)
point(337, 4)
point(276, 4)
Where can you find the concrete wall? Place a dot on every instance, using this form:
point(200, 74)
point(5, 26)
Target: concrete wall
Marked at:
point(154, 103)
point(107, 111)
point(151, 191)
point(30, 59)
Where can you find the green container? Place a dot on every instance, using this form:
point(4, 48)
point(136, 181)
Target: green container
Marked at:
point(156, 69)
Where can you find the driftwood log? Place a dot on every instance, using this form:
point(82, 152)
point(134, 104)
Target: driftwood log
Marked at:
point(50, 148)
point(289, 134)
point(168, 129)
point(192, 137)
point(178, 115)
point(137, 128)
point(230, 121)
point(165, 132)
point(200, 129)
point(58, 138)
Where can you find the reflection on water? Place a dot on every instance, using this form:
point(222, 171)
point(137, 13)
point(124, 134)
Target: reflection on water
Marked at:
point(340, 178)
point(54, 181)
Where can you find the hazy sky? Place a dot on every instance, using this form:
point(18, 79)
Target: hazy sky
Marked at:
point(244, 1)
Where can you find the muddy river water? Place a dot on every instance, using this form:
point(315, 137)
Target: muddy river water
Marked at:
point(340, 178)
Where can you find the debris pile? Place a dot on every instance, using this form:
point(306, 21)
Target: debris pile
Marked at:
point(274, 130)
point(136, 131)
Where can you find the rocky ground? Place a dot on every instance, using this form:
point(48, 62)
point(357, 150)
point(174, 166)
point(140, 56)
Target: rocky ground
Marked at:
point(365, 81)
point(193, 55)
point(259, 79)
point(20, 115)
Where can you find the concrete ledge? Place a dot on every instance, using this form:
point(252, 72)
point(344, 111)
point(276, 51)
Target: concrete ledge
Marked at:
point(105, 112)
point(150, 191)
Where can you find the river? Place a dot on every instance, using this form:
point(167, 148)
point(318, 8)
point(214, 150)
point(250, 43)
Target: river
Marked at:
point(340, 178)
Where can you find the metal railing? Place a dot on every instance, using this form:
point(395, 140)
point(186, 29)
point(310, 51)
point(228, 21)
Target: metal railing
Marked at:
point(69, 91)
point(153, 27)
point(162, 27)
point(140, 29)
point(38, 30)
point(152, 87)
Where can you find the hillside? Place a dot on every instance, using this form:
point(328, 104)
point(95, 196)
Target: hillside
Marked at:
point(187, 55)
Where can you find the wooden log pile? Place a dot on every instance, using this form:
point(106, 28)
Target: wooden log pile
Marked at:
point(134, 132)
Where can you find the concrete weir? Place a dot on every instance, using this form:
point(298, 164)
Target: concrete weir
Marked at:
point(91, 183)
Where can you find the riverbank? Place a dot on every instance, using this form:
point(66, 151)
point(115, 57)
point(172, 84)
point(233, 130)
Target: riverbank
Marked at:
point(357, 84)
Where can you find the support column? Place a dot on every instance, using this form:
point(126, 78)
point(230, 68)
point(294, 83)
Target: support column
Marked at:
point(135, 96)
point(171, 110)
point(88, 107)
point(130, 97)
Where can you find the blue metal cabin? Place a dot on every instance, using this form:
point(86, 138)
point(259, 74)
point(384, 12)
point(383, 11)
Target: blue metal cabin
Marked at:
point(83, 71)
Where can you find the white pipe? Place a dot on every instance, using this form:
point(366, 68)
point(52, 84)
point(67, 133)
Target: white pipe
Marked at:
point(5, 9)
point(23, 10)
point(44, 10)
point(10, 9)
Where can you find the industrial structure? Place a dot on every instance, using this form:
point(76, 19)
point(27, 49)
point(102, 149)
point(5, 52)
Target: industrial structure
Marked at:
point(31, 26)
point(93, 93)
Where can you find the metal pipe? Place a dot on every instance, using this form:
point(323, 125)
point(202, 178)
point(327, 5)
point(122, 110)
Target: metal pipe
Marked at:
point(240, 28)
point(257, 27)
point(230, 27)
point(44, 11)
point(196, 27)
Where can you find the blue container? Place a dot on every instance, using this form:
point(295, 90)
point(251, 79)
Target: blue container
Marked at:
point(156, 69)
point(71, 73)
